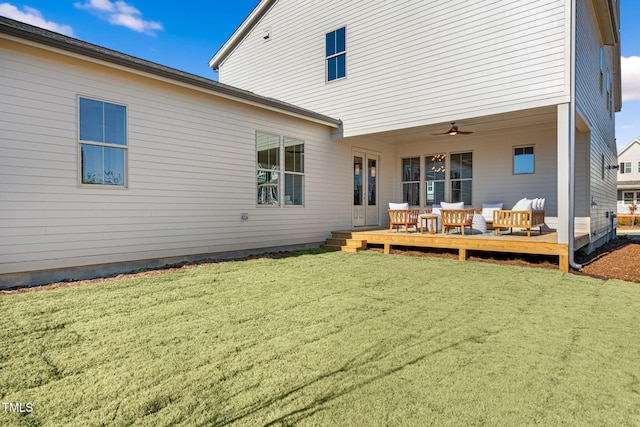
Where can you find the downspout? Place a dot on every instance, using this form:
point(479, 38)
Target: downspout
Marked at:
point(572, 137)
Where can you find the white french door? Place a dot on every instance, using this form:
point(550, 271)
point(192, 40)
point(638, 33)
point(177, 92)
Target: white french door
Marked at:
point(365, 189)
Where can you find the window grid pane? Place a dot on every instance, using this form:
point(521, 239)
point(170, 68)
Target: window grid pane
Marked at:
point(102, 123)
point(523, 160)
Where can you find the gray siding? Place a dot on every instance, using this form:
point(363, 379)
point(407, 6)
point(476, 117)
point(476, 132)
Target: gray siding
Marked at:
point(591, 104)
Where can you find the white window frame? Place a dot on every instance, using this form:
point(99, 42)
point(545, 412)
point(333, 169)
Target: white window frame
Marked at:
point(411, 181)
point(335, 55)
point(124, 147)
point(282, 173)
point(625, 167)
point(533, 153)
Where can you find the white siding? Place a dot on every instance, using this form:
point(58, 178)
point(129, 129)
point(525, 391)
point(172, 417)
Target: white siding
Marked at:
point(191, 170)
point(493, 178)
point(599, 138)
point(409, 63)
point(630, 154)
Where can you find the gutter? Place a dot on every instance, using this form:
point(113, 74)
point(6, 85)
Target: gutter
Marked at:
point(572, 138)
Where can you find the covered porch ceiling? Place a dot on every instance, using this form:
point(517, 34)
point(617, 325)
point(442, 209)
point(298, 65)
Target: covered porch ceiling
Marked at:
point(490, 124)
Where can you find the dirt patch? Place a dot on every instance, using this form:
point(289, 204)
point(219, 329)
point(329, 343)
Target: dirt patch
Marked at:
point(617, 259)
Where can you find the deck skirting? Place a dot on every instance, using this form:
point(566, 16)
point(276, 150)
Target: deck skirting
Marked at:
point(546, 244)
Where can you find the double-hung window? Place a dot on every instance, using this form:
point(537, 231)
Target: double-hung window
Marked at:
point(273, 153)
point(435, 176)
point(103, 142)
point(625, 167)
point(336, 54)
point(411, 181)
point(461, 177)
point(293, 172)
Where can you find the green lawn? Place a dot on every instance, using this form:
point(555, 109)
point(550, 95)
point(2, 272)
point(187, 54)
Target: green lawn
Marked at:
point(329, 339)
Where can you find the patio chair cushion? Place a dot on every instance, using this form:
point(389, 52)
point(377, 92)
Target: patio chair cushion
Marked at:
point(523, 205)
point(398, 206)
point(538, 204)
point(479, 224)
point(452, 206)
point(487, 211)
point(435, 209)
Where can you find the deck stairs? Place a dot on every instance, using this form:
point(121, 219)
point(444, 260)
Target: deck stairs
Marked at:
point(342, 241)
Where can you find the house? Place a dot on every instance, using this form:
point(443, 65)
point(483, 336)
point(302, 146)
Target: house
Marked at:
point(399, 74)
point(323, 115)
point(629, 175)
point(109, 163)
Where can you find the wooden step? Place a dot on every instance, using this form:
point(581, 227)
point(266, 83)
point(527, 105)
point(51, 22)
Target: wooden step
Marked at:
point(356, 243)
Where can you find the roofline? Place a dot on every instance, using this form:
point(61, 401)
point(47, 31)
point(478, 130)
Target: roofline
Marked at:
point(635, 140)
point(238, 35)
point(69, 44)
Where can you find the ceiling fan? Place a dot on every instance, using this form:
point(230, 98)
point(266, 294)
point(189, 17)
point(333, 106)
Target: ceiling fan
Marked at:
point(453, 131)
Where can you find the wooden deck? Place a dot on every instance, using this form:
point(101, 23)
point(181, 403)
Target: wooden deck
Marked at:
point(516, 242)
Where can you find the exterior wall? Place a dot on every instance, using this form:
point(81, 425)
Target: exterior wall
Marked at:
point(493, 178)
point(409, 63)
point(191, 170)
point(598, 135)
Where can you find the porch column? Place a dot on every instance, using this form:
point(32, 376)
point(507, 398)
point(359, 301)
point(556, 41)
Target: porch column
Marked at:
point(564, 156)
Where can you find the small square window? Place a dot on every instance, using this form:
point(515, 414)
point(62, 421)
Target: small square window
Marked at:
point(523, 160)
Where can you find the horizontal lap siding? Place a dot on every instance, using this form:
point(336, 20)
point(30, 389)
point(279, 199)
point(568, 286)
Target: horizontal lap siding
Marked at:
point(493, 178)
point(409, 63)
point(191, 171)
point(591, 104)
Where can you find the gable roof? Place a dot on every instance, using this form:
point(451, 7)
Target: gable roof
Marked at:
point(636, 140)
point(239, 34)
point(69, 44)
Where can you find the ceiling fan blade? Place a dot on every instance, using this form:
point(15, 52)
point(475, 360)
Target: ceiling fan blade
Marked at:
point(464, 133)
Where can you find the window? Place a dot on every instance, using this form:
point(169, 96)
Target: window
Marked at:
point(601, 69)
point(293, 172)
point(630, 197)
point(609, 92)
point(103, 142)
point(435, 175)
point(461, 176)
point(523, 160)
point(269, 149)
point(411, 181)
point(336, 55)
point(625, 167)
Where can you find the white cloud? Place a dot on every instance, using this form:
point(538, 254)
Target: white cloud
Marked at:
point(121, 13)
point(630, 78)
point(34, 17)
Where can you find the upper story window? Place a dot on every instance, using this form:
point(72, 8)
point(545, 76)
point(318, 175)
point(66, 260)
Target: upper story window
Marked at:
point(523, 160)
point(625, 167)
point(336, 54)
point(601, 69)
point(609, 97)
point(103, 142)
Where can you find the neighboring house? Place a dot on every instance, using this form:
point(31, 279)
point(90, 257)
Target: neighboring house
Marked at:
point(629, 176)
point(109, 162)
point(396, 73)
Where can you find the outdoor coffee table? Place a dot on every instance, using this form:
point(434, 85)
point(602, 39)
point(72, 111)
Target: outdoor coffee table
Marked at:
point(430, 222)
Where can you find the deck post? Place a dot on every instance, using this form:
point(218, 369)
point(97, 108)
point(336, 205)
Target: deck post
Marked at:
point(462, 254)
point(563, 262)
point(387, 248)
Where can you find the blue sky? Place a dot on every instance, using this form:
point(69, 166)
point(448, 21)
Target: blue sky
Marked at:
point(186, 34)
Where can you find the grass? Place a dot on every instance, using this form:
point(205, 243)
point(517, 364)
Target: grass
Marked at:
point(327, 339)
